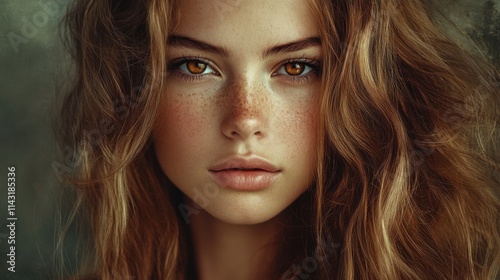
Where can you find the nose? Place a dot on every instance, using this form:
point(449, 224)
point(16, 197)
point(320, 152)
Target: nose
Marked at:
point(246, 105)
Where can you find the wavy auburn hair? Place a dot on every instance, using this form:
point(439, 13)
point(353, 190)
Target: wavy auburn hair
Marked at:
point(406, 177)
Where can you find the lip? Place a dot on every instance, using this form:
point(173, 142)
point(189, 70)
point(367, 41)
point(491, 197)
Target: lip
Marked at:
point(245, 174)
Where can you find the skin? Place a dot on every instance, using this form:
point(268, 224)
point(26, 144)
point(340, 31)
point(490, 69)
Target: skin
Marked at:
point(239, 102)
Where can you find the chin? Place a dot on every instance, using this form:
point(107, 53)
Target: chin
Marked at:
point(247, 210)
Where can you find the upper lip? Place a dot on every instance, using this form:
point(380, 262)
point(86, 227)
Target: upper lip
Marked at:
point(252, 163)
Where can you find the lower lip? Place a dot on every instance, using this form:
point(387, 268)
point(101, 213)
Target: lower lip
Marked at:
point(245, 180)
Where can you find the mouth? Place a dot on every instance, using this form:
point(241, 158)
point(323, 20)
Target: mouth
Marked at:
point(244, 164)
point(245, 174)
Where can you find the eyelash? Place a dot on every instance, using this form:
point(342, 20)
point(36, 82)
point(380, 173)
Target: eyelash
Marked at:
point(315, 71)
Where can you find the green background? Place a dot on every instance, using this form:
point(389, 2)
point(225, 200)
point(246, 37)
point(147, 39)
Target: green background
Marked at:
point(32, 77)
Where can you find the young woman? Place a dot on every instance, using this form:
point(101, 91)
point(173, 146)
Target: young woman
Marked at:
point(283, 139)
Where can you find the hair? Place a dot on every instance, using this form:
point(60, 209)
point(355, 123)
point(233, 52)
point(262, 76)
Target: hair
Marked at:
point(405, 184)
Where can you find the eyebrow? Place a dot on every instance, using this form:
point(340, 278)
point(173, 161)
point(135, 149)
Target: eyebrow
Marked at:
point(183, 41)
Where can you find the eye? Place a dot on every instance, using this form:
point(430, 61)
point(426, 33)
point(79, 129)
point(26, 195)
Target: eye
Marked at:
point(195, 67)
point(298, 71)
point(192, 69)
point(296, 68)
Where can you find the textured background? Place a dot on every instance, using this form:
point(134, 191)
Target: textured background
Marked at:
point(30, 74)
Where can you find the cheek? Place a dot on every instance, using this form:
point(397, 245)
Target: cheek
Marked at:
point(180, 132)
point(301, 126)
point(307, 143)
point(298, 119)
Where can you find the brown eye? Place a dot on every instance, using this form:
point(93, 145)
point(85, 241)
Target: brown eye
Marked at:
point(298, 71)
point(294, 68)
point(193, 67)
point(196, 67)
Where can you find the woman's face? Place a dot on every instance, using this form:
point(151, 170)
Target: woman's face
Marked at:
point(237, 131)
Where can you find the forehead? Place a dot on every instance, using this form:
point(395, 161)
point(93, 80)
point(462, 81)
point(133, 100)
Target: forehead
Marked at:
point(245, 22)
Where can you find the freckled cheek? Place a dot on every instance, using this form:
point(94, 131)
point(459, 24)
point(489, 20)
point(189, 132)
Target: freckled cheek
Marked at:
point(300, 127)
point(308, 128)
point(304, 116)
point(298, 117)
point(182, 126)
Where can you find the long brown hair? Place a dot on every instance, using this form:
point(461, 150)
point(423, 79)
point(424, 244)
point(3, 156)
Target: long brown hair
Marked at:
point(405, 183)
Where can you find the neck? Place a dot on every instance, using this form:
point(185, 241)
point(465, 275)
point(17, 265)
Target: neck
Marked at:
point(237, 252)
